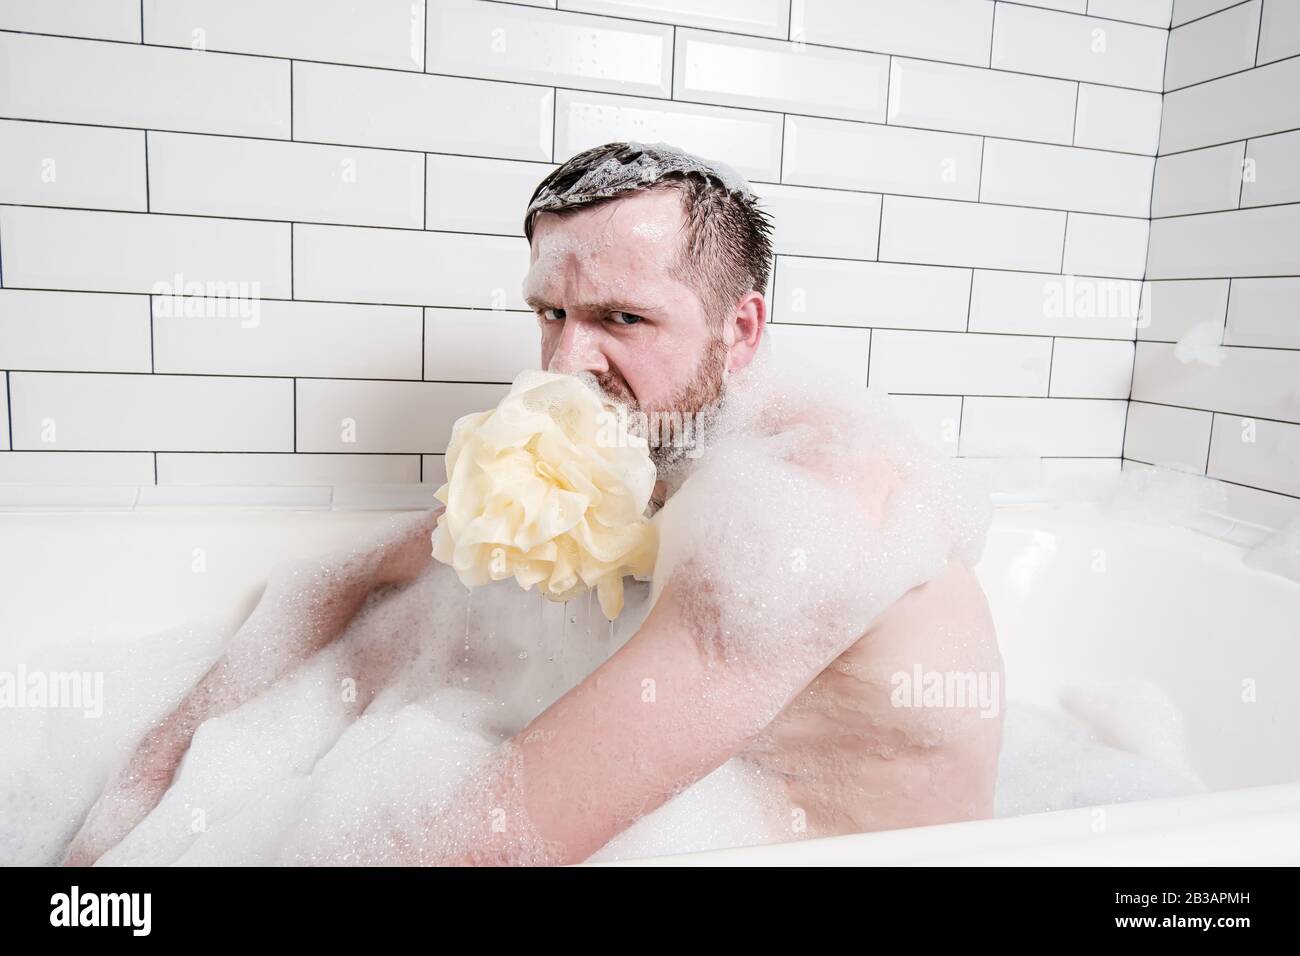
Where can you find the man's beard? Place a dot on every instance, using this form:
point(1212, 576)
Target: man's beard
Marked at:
point(676, 429)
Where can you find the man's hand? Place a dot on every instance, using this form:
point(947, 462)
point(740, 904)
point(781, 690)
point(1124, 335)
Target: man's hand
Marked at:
point(280, 634)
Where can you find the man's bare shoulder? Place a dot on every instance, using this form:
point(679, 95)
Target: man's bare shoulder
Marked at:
point(838, 455)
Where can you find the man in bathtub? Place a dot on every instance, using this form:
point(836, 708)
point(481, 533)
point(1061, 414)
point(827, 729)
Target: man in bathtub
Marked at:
point(648, 271)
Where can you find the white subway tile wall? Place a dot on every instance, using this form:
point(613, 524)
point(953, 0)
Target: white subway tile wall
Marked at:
point(280, 241)
point(1216, 382)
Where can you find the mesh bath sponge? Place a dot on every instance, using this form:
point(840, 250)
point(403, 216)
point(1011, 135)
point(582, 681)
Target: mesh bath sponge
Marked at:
point(551, 488)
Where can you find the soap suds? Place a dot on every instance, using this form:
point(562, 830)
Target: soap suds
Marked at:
point(368, 750)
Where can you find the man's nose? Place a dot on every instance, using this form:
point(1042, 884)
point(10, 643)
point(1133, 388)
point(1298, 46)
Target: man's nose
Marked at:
point(578, 349)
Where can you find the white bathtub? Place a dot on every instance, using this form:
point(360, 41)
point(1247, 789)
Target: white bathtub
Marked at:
point(1077, 596)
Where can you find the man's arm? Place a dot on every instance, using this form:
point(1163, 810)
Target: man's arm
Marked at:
point(659, 715)
point(259, 654)
point(664, 711)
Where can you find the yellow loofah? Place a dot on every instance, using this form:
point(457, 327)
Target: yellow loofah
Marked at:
point(551, 488)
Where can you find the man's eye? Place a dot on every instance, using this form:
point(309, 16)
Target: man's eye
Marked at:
point(631, 318)
point(546, 314)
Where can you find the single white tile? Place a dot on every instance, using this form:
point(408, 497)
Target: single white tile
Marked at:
point(196, 468)
point(4, 413)
point(1247, 381)
point(126, 84)
point(391, 417)
point(1091, 368)
point(508, 42)
point(1112, 118)
point(747, 140)
point(130, 252)
point(947, 363)
point(49, 164)
point(1247, 242)
point(1185, 10)
point(1213, 46)
point(1106, 246)
point(964, 99)
point(1261, 508)
point(299, 182)
point(399, 497)
point(775, 75)
point(1171, 308)
point(1272, 173)
point(479, 345)
point(387, 33)
point(1042, 426)
point(1065, 177)
point(362, 107)
point(1279, 34)
point(88, 412)
point(74, 331)
point(955, 31)
point(1204, 180)
point(259, 497)
point(833, 356)
point(103, 19)
point(936, 419)
point(355, 264)
point(888, 295)
point(1264, 312)
point(467, 194)
point(937, 231)
point(435, 469)
point(1078, 48)
point(70, 497)
point(769, 18)
point(1256, 452)
point(1254, 103)
point(1031, 303)
point(1071, 6)
point(1154, 13)
point(825, 152)
point(75, 467)
point(821, 222)
point(199, 337)
point(1167, 436)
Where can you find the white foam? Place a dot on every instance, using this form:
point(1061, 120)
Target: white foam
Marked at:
point(351, 755)
point(775, 523)
point(635, 165)
point(1202, 344)
point(1279, 553)
point(1052, 761)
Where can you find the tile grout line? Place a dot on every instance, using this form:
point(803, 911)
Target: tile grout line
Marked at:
point(1259, 30)
point(769, 113)
point(1146, 259)
point(747, 36)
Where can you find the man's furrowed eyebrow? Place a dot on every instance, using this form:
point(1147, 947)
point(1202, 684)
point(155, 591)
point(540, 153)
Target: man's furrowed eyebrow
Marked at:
point(537, 302)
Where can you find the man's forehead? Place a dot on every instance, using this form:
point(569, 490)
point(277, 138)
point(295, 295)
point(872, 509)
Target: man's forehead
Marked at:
point(628, 222)
point(604, 255)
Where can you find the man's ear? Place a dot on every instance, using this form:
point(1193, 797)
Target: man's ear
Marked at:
point(746, 330)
